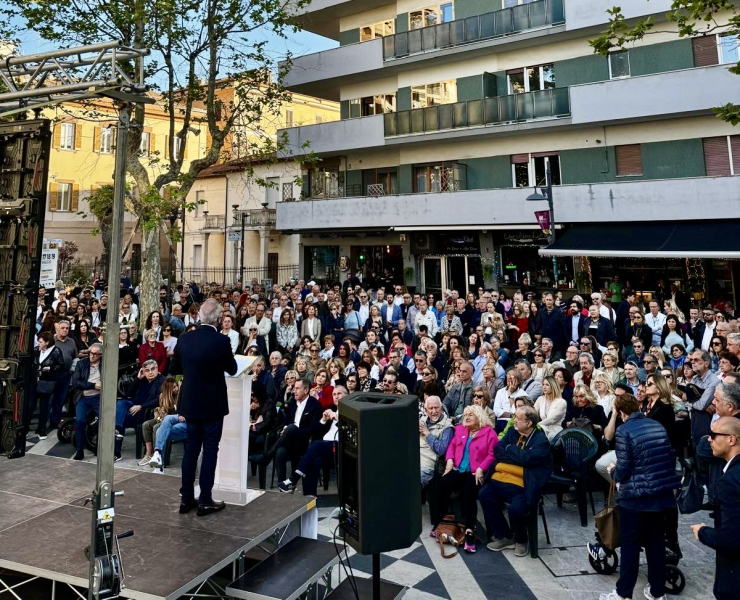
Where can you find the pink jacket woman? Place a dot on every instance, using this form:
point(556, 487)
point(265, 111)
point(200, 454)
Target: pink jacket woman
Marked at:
point(480, 453)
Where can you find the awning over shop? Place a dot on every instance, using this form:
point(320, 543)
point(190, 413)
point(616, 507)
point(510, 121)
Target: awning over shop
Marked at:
point(650, 240)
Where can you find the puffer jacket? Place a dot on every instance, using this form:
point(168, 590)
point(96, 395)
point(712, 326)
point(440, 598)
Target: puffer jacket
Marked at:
point(645, 459)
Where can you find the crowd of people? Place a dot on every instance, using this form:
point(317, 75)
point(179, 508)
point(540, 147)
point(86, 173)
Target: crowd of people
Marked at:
point(498, 379)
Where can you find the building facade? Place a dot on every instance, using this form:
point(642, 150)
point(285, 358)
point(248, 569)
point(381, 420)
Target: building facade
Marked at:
point(451, 113)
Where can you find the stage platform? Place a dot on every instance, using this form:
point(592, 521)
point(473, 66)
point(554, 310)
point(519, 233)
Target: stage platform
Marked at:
point(44, 527)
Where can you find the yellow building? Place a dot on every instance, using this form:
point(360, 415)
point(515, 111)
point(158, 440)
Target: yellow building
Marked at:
point(82, 159)
point(83, 155)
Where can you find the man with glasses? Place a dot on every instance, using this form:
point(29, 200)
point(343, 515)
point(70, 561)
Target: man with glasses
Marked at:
point(723, 538)
point(571, 360)
point(389, 382)
point(701, 407)
point(363, 309)
point(86, 385)
point(398, 298)
point(143, 394)
point(638, 353)
point(706, 333)
point(650, 364)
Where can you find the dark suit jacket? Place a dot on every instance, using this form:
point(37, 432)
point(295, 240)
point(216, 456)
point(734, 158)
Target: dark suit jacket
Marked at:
point(604, 332)
point(310, 424)
point(723, 536)
point(202, 356)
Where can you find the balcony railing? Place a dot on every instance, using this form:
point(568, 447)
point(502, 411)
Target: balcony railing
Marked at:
point(514, 108)
point(474, 29)
point(215, 222)
point(264, 217)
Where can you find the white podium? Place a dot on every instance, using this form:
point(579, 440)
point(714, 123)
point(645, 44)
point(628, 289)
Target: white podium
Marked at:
point(233, 463)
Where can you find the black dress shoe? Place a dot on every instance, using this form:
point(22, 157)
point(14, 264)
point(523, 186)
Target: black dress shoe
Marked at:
point(186, 507)
point(207, 509)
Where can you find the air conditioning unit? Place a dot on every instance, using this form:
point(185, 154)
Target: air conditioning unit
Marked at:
point(423, 242)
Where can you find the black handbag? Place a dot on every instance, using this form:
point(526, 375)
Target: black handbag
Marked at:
point(691, 495)
point(45, 386)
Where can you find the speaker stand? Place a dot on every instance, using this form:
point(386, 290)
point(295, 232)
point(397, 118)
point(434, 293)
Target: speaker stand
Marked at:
point(376, 576)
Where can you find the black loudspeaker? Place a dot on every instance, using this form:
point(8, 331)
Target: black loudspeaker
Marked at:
point(379, 478)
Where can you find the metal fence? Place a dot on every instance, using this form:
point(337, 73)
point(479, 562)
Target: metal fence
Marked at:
point(541, 104)
point(474, 29)
point(279, 274)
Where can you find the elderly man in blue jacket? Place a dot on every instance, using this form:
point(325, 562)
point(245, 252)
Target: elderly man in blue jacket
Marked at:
point(523, 466)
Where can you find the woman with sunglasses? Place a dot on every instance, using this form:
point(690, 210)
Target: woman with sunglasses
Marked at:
point(168, 340)
point(717, 345)
point(482, 398)
point(540, 369)
point(428, 384)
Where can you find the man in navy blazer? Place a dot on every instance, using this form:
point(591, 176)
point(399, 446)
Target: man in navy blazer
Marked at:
point(302, 421)
point(723, 538)
point(395, 312)
point(202, 356)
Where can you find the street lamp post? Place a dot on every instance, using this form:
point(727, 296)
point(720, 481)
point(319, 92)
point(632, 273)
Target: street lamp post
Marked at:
point(546, 194)
point(241, 253)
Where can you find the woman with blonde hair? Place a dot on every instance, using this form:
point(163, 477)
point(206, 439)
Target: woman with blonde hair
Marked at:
point(335, 366)
point(585, 406)
point(604, 391)
point(659, 355)
point(610, 367)
point(658, 403)
point(551, 407)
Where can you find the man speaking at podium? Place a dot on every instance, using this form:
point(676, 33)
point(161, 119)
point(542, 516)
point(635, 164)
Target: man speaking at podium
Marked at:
point(202, 356)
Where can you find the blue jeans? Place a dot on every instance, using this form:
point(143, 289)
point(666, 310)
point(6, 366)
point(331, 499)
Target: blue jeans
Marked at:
point(85, 405)
point(57, 400)
point(207, 435)
point(124, 419)
point(170, 429)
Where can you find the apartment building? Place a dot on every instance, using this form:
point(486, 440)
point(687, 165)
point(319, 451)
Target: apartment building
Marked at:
point(450, 115)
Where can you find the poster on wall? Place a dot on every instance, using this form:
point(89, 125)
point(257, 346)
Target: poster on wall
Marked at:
point(49, 260)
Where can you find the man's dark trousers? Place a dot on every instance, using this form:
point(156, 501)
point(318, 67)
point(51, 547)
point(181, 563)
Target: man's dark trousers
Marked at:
point(492, 498)
point(319, 454)
point(206, 434)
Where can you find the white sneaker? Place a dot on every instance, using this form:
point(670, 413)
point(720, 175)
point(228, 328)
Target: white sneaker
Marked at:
point(145, 461)
point(156, 460)
point(649, 595)
point(158, 471)
point(612, 596)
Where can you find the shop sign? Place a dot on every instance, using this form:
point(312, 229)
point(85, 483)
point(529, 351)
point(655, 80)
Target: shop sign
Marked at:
point(459, 243)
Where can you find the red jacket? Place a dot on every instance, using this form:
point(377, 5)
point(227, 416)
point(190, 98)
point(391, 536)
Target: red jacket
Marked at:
point(480, 453)
point(326, 396)
point(158, 353)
